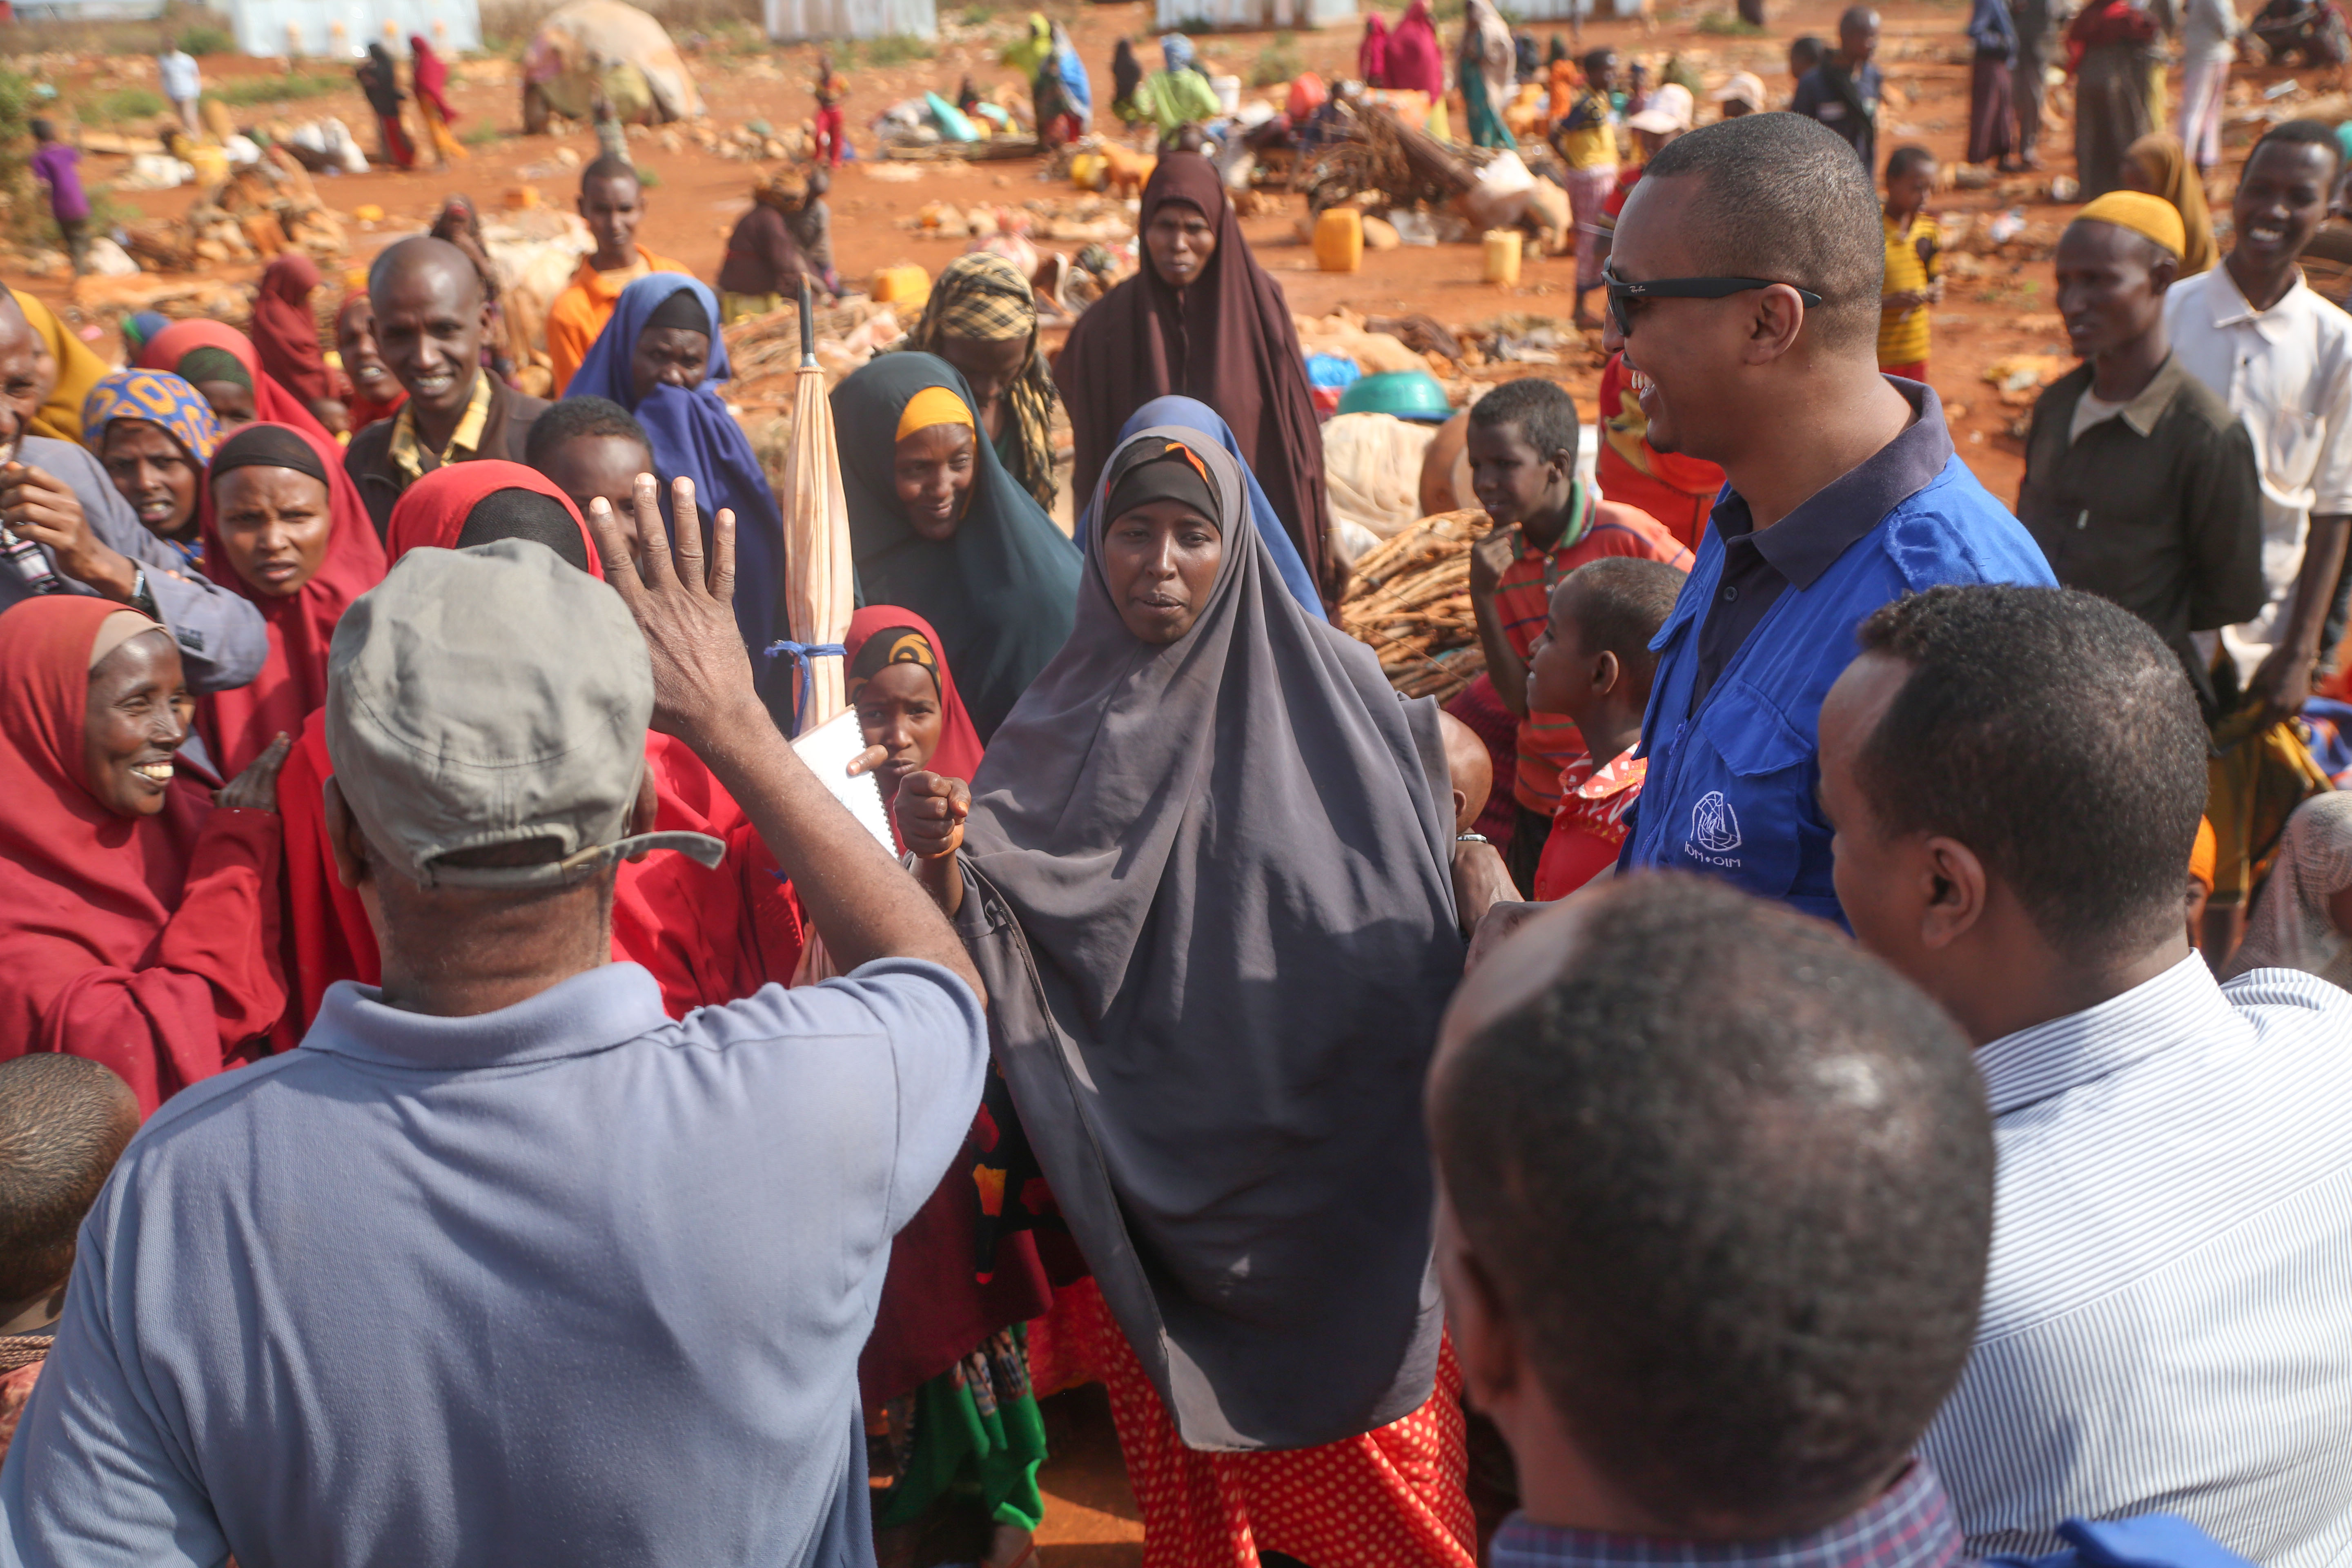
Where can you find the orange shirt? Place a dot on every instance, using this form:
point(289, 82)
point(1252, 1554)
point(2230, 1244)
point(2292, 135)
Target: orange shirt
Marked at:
point(1547, 742)
point(581, 311)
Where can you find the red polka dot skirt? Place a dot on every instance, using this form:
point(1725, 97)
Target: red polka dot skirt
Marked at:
point(1392, 1498)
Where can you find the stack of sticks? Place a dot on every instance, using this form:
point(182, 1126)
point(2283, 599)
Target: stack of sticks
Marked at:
point(1410, 599)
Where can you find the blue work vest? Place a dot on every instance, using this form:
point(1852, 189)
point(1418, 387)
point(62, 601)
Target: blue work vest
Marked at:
point(1730, 787)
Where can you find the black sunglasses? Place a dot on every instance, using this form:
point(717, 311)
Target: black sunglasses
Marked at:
point(1620, 291)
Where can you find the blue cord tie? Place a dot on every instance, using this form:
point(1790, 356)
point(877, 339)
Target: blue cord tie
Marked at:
point(802, 652)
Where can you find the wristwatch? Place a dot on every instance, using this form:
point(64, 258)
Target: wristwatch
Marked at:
point(143, 599)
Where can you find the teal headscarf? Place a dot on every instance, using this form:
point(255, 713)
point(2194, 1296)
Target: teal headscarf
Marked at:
point(1002, 593)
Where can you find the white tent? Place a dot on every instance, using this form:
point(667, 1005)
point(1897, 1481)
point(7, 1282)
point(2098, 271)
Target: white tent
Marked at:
point(343, 29)
point(791, 20)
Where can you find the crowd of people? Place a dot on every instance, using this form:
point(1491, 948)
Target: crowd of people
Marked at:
point(1826, 1052)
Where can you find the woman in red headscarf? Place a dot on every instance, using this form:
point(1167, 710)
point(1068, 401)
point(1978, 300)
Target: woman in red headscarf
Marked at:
point(286, 337)
point(429, 75)
point(136, 923)
point(282, 525)
point(223, 364)
point(1413, 60)
point(946, 1371)
point(374, 394)
point(707, 935)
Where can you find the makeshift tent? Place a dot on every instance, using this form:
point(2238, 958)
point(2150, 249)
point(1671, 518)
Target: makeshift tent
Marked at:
point(593, 45)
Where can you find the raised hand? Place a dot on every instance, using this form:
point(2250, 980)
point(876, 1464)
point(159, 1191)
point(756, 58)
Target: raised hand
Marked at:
point(685, 605)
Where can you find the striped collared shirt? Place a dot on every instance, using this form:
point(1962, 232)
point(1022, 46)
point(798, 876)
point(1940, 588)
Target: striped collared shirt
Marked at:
point(2167, 1319)
point(1910, 1526)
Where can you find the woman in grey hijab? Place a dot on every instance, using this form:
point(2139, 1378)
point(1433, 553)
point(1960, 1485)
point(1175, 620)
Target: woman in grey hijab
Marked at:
point(1206, 878)
point(2306, 909)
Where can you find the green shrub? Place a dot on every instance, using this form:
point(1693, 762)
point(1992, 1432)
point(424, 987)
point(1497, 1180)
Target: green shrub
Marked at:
point(896, 49)
point(20, 207)
point(122, 105)
point(649, 178)
point(246, 92)
point(480, 134)
point(1728, 24)
point(1278, 62)
point(208, 40)
point(976, 16)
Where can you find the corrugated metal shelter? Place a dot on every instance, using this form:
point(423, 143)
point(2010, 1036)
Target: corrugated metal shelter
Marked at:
point(343, 29)
point(791, 20)
point(1254, 16)
point(1529, 12)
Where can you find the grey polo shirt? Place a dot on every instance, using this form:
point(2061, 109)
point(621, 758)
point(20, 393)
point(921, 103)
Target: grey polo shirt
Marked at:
point(222, 638)
point(567, 1284)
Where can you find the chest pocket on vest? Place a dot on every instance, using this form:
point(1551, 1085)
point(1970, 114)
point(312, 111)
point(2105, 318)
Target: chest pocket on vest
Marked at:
point(1746, 776)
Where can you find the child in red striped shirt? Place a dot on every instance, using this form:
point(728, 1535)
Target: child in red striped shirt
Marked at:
point(1593, 664)
point(1522, 446)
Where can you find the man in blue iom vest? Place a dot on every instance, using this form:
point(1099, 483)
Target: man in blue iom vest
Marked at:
point(1745, 277)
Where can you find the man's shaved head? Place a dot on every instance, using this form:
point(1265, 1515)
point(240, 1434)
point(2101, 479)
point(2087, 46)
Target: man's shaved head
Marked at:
point(431, 317)
point(420, 257)
point(20, 378)
point(1472, 767)
point(1783, 197)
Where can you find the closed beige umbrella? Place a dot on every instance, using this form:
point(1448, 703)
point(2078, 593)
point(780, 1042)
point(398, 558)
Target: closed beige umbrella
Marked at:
point(818, 589)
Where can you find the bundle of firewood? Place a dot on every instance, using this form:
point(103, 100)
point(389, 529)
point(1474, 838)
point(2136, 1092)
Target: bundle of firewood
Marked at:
point(1410, 599)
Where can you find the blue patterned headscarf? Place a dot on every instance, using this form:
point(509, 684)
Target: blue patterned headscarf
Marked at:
point(694, 436)
point(1176, 51)
point(160, 398)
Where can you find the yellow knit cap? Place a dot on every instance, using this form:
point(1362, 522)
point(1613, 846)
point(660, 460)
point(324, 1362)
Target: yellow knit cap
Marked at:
point(2142, 214)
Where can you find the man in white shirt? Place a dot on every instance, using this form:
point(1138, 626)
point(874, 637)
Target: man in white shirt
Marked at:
point(175, 71)
point(2015, 776)
point(2281, 357)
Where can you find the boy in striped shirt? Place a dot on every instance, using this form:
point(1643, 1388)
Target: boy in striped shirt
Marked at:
point(1522, 449)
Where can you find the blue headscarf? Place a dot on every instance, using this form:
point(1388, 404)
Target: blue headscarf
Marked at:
point(1176, 51)
point(694, 436)
point(1190, 414)
point(1066, 66)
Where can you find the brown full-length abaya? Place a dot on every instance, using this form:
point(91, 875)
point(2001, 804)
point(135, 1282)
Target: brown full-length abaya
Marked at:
point(1227, 340)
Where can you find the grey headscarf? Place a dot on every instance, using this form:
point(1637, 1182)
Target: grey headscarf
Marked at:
point(1229, 859)
point(2291, 927)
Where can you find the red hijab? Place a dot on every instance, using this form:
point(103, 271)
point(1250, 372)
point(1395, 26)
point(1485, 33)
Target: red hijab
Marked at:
point(430, 75)
point(363, 410)
point(707, 935)
point(239, 725)
point(1226, 338)
point(284, 333)
point(272, 403)
point(956, 755)
point(1412, 61)
point(83, 891)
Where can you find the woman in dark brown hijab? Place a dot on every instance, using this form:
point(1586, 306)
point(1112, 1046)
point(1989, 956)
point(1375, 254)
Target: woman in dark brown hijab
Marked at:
point(1202, 319)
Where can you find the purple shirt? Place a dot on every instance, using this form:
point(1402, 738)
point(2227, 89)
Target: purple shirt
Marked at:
point(54, 164)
